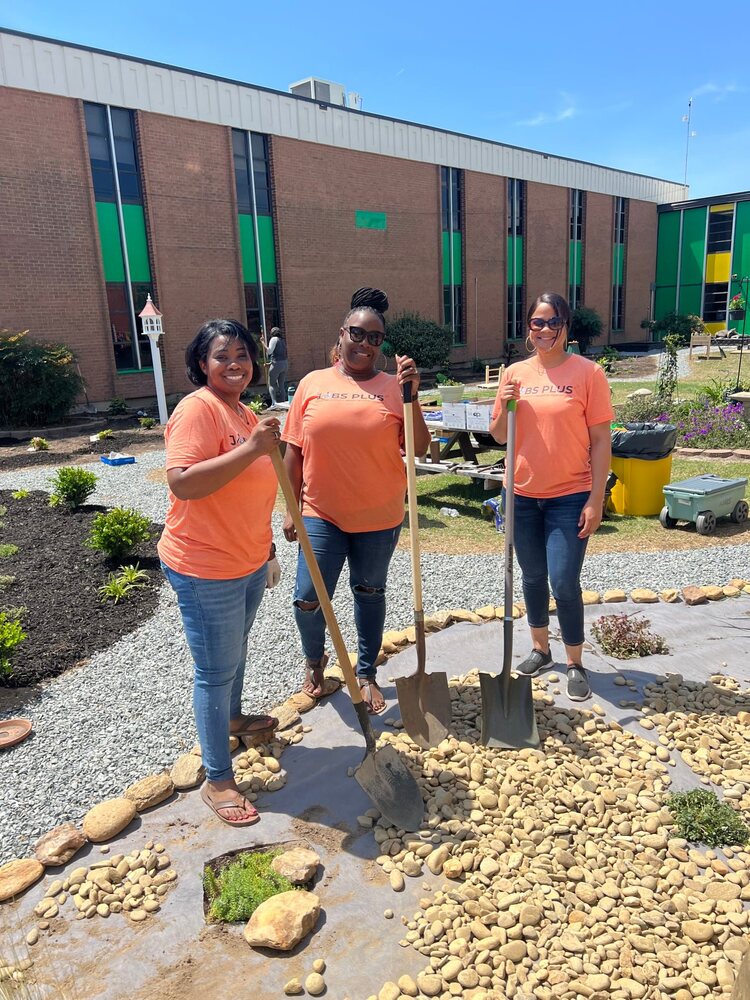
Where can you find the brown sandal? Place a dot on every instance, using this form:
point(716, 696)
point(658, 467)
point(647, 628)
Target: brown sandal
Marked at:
point(315, 678)
point(370, 682)
point(235, 803)
point(256, 729)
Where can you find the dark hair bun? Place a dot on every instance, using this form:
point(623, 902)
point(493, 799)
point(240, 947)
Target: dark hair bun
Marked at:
point(370, 298)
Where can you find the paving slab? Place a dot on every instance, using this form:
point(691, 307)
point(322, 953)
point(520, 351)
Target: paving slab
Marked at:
point(174, 954)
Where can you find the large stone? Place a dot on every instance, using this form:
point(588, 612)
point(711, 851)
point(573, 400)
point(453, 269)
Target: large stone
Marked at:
point(108, 819)
point(287, 715)
point(17, 875)
point(58, 846)
point(283, 920)
point(642, 595)
point(150, 791)
point(298, 865)
point(713, 593)
point(612, 596)
point(301, 702)
point(187, 771)
point(698, 931)
point(693, 595)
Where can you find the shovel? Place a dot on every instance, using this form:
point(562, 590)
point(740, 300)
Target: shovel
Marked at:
point(424, 699)
point(383, 776)
point(508, 718)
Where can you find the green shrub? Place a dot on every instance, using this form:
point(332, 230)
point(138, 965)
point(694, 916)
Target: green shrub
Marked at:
point(702, 819)
point(20, 494)
point(6, 581)
point(239, 889)
point(40, 444)
point(607, 358)
point(428, 343)
point(679, 325)
point(118, 531)
point(147, 422)
point(72, 485)
point(117, 406)
point(11, 636)
point(39, 383)
point(119, 585)
point(443, 379)
point(105, 435)
point(585, 326)
point(6, 549)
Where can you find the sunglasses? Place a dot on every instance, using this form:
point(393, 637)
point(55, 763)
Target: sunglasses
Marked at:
point(554, 323)
point(357, 335)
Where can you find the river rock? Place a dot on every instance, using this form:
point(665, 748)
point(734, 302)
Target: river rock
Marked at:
point(430, 985)
point(698, 931)
point(16, 876)
point(109, 818)
point(315, 984)
point(58, 846)
point(283, 920)
point(150, 791)
point(287, 715)
point(298, 865)
point(693, 595)
point(294, 988)
point(642, 595)
point(613, 596)
point(187, 771)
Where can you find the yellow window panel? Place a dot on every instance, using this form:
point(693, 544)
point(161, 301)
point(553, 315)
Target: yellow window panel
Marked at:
point(722, 208)
point(717, 267)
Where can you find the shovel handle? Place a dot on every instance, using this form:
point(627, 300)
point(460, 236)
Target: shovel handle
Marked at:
point(317, 579)
point(510, 470)
point(411, 482)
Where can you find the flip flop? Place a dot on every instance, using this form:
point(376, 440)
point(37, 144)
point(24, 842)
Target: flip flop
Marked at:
point(309, 678)
point(260, 734)
point(231, 804)
point(368, 682)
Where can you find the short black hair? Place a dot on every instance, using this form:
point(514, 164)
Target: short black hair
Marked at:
point(198, 348)
point(369, 300)
point(558, 303)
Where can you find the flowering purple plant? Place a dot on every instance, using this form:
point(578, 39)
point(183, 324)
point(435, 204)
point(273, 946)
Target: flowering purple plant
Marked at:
point(702, 424)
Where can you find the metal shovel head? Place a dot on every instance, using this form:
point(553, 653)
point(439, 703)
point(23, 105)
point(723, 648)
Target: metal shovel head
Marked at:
point(425, 704)
point(390, 785)
point(509, 722)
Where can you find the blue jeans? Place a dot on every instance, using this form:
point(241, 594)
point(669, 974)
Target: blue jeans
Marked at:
point(549, 551)
point(217, 616)
point(369, 554)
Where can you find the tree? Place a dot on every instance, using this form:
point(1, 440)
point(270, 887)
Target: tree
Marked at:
point(428, 343)
point(679, 325)
point(585, 326)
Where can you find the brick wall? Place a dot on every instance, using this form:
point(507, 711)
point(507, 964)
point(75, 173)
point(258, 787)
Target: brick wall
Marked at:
point(51, 280)
point(324, 258)
point(192, 214)
point(485, 241)
point(640, 267)
point(547, 230)
point(597, 259)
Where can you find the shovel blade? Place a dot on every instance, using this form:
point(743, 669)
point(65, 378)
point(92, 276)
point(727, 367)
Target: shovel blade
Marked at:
point(425, 704)
point(391, 787)
point(511, 723)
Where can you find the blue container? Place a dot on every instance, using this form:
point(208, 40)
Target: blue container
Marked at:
point(290, 391)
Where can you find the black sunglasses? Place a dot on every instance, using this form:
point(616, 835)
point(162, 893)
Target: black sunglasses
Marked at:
point(554, 323)
point(375, 337)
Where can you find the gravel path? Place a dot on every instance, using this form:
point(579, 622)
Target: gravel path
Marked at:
point(127, 713)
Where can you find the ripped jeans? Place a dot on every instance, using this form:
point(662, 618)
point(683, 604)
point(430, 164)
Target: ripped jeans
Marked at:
point(369, 554)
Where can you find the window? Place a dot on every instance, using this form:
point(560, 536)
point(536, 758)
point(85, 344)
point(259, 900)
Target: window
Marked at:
point(123, 134)
point(241, 142)
point(516, 198)
point(99, 152)
point(270, 303)
point(715, 302)
point(617, 307)
point(575, 284)
point(453, 306)
point(450, 197)
point(720, 230)
point(618, 264)
point(516, 318)
point(576, 214)
point(620, 210)
point(451, 190)
point(516, 222)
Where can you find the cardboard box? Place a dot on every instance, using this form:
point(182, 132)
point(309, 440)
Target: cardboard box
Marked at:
point(454, 416)
point(479, 415)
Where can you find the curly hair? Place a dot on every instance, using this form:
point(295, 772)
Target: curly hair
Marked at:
point(198, 348)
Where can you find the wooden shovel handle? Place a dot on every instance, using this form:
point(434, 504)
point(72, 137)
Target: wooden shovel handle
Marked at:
point(317, 578)
point(411, 482)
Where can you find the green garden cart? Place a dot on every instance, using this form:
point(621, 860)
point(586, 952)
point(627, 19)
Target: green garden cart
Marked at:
point(703, 499)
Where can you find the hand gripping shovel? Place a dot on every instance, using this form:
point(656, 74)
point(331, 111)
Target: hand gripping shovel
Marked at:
point(424, 699)
point(382, 774)
point(508, 718)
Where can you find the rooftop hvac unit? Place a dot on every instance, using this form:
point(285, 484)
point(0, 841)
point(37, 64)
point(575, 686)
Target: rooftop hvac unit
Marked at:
point(320, 90)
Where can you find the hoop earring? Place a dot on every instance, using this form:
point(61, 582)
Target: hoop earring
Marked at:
point(529, 345)
point(385, 363)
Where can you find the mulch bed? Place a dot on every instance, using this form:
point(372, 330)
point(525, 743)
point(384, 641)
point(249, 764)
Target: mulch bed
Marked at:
point(57, 578)
point(75, 447)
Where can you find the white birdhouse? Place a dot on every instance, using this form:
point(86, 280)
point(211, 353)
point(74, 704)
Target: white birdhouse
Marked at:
point(151, 319)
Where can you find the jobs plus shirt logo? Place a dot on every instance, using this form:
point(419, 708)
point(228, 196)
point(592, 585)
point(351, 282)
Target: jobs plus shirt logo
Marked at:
point(350, 396)
point(546, 390)
point(237, 439)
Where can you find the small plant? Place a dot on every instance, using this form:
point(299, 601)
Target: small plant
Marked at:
point(147, 422)
point(626, 638)
point(239, 889)
point(118, 531)
point(20, 494)
point(442, 379)
point(737, 302)
point(117, 406)
point(607, 358)
point(6, 581)
point(105, 435)
point(39, 444)
point(11, 636)
point(134, 576)
point(114, 590)
point(717, 390)
point(256, 404)
point(703, 819)
point(6, 550)
point(72, 485)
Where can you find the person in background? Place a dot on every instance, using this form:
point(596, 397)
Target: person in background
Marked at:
point(344, 436)
point(217, 549)
point(279, 365)
point(563, 448)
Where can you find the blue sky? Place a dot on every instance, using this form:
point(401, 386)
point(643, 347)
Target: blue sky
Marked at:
point(594, 81)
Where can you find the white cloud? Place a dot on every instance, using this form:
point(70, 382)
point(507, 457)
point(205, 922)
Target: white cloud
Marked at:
point(568, 111)
point(717, 90)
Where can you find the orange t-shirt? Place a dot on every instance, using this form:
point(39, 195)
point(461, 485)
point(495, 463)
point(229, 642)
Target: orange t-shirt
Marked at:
point(350, 434)
point(555, 410)
point(228, 534)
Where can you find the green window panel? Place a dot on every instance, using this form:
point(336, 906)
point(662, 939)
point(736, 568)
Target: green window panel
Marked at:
point(690, 299)
point(618, 261)
point(109, 238)
point(267, 249)
point(575, 262)
point(370, 220)
point(693, 260)
point(457, 263)
point(667, 248)
point(515, 246)
point(135, 238)
point(741, 255)
point(664, 300)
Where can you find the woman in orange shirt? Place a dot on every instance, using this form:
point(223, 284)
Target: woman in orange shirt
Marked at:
point(216, 549)
point(344, 435)
point(563, 451)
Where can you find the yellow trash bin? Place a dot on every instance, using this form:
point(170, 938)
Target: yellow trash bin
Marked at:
point(639, 490)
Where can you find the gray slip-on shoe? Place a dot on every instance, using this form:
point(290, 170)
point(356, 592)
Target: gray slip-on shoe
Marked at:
point(579, 688)
point(534, 662)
